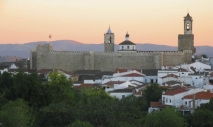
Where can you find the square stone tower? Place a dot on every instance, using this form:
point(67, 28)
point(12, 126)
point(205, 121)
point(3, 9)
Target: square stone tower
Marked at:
point(186, 40)
point(109, 41)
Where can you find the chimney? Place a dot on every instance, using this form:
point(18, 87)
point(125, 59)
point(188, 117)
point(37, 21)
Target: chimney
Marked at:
point(193, 101)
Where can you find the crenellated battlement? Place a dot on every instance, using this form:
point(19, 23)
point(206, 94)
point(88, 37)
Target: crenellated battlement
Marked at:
point(173, 52)
point(70, 52)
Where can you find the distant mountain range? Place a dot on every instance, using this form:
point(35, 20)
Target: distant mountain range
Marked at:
point(23, 50)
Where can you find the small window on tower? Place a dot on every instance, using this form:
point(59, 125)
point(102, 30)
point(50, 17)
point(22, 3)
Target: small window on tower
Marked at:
point(188, 26)
point(109, 40)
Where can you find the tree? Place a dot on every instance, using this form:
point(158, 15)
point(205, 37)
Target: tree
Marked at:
point(29, 88)
point(204, 56)
point(79, 123)
point(16, 114)
point(202, 118)
point(55, 115)
point(60, 88)
point(6, 81)
point(152, 93)
point(203, 115)
point(97, 107)
point(130, 110)
point(165, 118)
point(208, 106)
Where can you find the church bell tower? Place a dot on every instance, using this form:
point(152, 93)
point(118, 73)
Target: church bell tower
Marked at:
point(109, 41)
point(186, 40)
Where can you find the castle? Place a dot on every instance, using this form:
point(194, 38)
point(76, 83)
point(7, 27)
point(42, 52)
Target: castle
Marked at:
point(44, 57)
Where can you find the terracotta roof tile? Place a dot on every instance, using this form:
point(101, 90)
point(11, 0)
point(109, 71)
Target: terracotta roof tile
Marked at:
point(155, 104)
point(138, 93)
point(176, 91)
point(83, 85)
point(201, 95)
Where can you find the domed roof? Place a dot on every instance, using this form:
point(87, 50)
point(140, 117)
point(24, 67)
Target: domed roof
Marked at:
point(109, 31)
point(188, 17)
point(127, 42)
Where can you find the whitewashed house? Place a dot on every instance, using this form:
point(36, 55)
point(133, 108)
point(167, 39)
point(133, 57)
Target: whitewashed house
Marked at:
point(126, 76)
point(174, 97)
point(195, 100)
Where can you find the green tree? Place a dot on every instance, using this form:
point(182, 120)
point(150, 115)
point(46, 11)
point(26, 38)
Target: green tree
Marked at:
point(208, 106)
point(97, 107)
point(202, 118)
point(60, 88)
point(152, 93)
point(29, 88)
point(16, 114)
point(55, 115)
point(204, 56)
point(79, 123)
point(165, 118)
point(130, 110)
point(6, 81)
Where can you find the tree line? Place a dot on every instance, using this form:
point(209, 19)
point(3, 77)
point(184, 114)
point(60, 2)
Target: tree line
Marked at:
point(26, 101)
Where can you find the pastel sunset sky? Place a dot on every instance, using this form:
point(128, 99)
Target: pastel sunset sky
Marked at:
point(86, 21)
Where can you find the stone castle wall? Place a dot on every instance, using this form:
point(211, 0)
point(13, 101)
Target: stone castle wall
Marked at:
point(46, 58)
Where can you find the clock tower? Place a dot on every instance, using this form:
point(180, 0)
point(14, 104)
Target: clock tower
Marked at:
point(109, 41)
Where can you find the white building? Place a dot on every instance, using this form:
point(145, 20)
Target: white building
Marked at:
point(174, 97)
point(195, 100)
point(127, 45)
point(126, 76)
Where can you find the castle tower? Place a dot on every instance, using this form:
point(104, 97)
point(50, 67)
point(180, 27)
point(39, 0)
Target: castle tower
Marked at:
point(186, 40)
point(109, 41)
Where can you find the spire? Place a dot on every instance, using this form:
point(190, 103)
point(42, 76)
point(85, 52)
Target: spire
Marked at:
point(109, 30)
point(188, 17)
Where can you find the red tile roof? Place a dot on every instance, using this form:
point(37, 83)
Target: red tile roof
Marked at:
point(201, 95)
point(83, 85)
point(158, 105)
point(176, 91)
point(113, 82)
point(170, 75)
point(138, 93)
point(155, 104)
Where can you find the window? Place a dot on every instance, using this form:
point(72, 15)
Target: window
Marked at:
point(185, 102)
point(122, 47)
point(152, 81)
point(170, 101)
point(187, 26)
point(123, 96)
point(166, 100)
point(127, 47)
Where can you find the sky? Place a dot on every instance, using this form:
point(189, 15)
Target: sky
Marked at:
point(147, 21)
